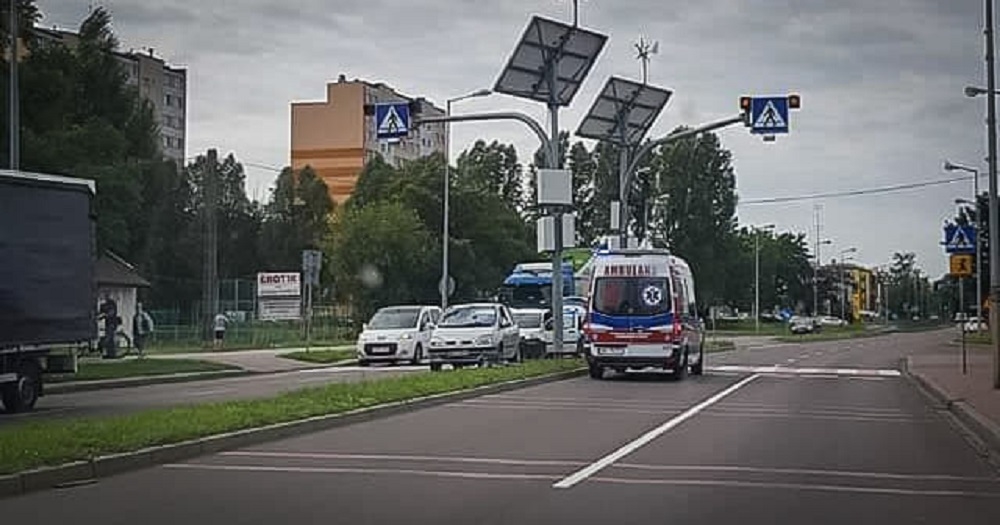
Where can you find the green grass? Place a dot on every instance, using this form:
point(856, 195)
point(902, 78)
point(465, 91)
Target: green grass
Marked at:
point(41, 443)
point(320, 356)
point(101, 370)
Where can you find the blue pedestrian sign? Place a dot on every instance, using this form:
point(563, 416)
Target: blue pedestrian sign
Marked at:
point(392, 120)
point(769, 115)
point(960, 239)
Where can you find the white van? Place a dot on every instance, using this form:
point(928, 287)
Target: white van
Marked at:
point(643, 313)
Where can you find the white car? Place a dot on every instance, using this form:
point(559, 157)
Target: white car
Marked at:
point(397, 334)
point(829, 320)
point(475, 334)
point(531, 326)
point(975, 325)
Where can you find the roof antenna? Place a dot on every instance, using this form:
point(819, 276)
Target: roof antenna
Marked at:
point(646, 48)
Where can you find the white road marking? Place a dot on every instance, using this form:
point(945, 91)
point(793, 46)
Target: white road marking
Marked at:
point(339, 470)
point(553, 407)
point(632, 446)
point(777, 369)
point(393, 457)
point(790, 360)
point(206, 392)
point(809, 472)
point(799, 486)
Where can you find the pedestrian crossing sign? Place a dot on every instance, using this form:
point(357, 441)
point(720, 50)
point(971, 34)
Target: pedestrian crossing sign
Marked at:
point(768, 115)
point(960, 239)
point(392, 120)
point(961, 265)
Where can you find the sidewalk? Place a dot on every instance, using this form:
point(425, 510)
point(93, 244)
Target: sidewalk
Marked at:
point(263, 360)
point(970, 397)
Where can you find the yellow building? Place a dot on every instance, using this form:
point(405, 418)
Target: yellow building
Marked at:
point(864, 296)
point(336, 137)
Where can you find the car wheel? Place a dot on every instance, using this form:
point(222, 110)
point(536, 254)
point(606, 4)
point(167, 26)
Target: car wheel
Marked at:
point(364, 362)
point(499, 358)
point(596, 371)
point(418, 355)
point(435, 367)
point(21, 395)
point(681, 371)
point(699, 368)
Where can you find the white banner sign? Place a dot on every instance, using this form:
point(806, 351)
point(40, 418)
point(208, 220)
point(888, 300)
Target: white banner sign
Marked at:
point(279, 309)
point(279, 284)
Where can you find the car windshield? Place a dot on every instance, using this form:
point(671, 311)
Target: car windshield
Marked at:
point(528, 319)
point(394, 318)
point(469, 316)
point(526, 296)
point(631, 296)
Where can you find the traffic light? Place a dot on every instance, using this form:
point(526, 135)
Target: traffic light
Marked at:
point(745, 103)
point(794, 101)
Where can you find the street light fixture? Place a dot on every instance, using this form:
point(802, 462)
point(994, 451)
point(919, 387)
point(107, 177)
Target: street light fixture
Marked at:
point(949, 166)
point(975, 91)
point(443, 286)
point(843, 280)
point(756, 274)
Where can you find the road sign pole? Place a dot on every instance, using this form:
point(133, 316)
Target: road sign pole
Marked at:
point(557, 273)
point(961, 308)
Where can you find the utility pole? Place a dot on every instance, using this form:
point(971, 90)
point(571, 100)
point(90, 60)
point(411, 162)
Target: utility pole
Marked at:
point(991, 112)
point(815, 311)
point(14, 107)
point(210, 269)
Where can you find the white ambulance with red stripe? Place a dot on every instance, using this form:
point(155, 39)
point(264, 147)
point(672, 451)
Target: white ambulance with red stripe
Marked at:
point(642, 313)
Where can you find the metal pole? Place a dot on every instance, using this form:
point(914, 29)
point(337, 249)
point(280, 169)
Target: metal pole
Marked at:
point(557, 273)
point(843, 289)
point(991, 110)
point(309, 314)
point(623, 162)
point(815, 311)
point(14, 110)
point(756, 281)
point(961, 326)
point(979, 259)
point(443, 285)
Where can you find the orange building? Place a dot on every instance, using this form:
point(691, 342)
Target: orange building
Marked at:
point(337, 136)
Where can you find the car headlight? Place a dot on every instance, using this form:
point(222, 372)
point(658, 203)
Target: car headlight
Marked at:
point(484, 340)
point(405, 337)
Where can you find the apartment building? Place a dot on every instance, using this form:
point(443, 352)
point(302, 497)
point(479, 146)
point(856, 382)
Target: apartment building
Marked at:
point(163, 85)
point(336, 137)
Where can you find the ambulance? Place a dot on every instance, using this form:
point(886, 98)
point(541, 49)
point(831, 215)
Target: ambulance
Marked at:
point(642, 313)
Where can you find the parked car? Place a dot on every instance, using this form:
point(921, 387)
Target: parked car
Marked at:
point(397, 334)
point(973, 324)
point(534, 337)
point(475, 334)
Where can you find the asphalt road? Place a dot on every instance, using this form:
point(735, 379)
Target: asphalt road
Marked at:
point(832, 437)
point(131, 399)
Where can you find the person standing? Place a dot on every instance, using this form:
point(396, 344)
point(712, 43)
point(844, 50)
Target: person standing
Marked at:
point(142, 327)
point(219, 323)
point(109, 313)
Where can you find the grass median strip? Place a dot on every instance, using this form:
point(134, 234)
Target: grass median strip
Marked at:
point(320, 356)
point(103, 370)
point(719, 345)
point(36, 444)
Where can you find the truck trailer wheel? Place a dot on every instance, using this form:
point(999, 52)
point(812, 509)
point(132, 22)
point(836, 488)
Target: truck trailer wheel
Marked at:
point(21, 395)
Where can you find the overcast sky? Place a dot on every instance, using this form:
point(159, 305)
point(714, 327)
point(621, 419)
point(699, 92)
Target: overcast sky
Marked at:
point(881, 85)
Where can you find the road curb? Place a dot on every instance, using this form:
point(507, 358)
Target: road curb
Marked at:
point(105, 466)
point(106, 384)
point(978, 426)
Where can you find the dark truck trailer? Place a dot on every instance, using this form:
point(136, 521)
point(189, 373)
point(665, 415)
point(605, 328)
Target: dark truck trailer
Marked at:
point(47, 288)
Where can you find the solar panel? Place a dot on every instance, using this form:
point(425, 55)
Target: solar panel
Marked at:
point(623, 112)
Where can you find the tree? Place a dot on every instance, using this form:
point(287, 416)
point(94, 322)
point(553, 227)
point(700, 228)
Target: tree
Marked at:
point(492, 168)
point(697, 189)
point(295, 219)
point(381, 254)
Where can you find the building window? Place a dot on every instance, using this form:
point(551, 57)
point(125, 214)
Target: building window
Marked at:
point(166, 141)
point(168, 100)
point(180, 143)
point(180, 102)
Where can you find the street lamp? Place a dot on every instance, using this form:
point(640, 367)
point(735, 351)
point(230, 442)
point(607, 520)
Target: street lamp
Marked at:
point(443, 285)
point(975, 91)
point(756, 274)
point(843, 280)
point(816, 275)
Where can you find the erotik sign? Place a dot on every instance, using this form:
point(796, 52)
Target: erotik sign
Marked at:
point(285, 284)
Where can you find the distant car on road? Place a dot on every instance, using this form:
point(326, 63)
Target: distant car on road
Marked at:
point(534, 337)
point(829, 320)
point(397, 334)
point(475, 334)
point(803, 325)
point(975, 325)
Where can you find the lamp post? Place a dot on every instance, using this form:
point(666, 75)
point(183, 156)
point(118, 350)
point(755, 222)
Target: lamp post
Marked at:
point(756, 274)
point(994, 220)
point(819, 261)
point(843, 280)
point(443, 285)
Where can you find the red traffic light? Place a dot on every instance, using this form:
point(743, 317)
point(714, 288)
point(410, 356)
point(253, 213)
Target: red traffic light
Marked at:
point(794, 101)
point(745, 103)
